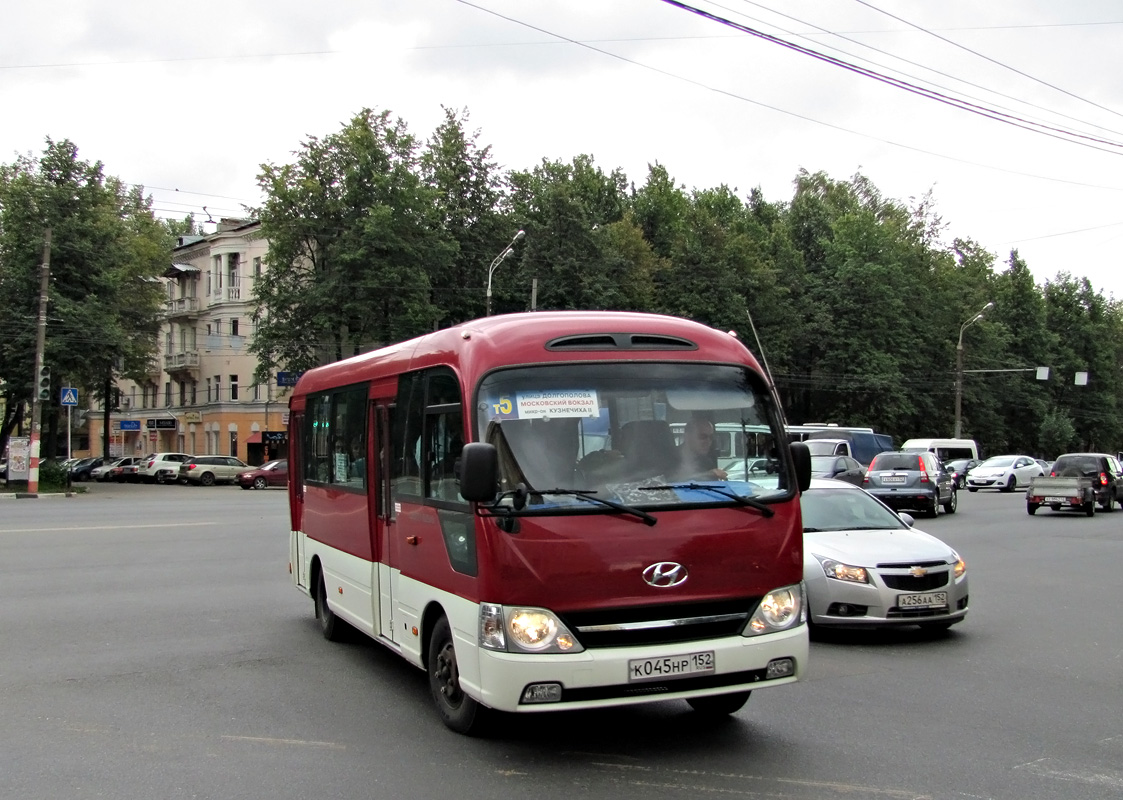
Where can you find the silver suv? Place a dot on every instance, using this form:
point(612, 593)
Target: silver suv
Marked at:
point(911, 479)
point(209, 470)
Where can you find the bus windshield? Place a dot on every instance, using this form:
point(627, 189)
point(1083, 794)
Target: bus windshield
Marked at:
point(617, 429)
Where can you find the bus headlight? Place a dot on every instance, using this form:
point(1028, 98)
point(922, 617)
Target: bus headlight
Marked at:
point(779, 610)
point(529, 630)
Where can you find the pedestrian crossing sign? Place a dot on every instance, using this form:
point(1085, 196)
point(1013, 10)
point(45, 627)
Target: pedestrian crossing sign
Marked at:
point(69, 396)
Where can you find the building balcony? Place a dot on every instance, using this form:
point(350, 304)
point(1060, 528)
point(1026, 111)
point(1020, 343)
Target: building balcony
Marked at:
point(183, 307)
point(184, 361)
point(229, 294)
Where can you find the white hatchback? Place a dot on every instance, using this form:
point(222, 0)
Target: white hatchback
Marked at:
point(151, 466)
point(1005, 473)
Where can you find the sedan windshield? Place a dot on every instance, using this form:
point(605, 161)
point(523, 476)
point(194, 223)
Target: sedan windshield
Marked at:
point(615, 430)
point(845, 510)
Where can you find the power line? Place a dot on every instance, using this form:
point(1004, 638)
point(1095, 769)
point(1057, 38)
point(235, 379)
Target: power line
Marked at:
point(988, 58)
point(1052, 131)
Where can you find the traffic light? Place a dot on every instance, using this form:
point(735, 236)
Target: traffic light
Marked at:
point(44, 383)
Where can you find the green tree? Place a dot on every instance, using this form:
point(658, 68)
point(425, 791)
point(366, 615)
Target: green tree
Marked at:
point(469, 195)
point(107, 249)
point(562, 207)
point(356, 242)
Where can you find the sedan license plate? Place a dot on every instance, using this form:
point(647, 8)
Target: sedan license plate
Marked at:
point(893, 479)
point(661, 669)
point(928, 600)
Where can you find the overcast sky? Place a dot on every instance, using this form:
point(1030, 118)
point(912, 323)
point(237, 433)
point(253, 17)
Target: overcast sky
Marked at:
point(190, 104)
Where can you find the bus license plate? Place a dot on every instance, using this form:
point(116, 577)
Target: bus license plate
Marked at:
point(929, 600)
point(670, 667)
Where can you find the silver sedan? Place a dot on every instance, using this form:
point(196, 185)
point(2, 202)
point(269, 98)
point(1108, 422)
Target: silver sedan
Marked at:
point(866, 566)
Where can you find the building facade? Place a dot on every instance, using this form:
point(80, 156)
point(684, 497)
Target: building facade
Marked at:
point(200, 396)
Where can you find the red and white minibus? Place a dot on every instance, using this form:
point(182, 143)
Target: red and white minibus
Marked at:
point(503, 504)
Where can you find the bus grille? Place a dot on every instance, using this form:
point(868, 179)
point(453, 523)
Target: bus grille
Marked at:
point(662, 624)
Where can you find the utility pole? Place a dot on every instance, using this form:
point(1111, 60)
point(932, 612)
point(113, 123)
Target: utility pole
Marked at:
point(40, 347)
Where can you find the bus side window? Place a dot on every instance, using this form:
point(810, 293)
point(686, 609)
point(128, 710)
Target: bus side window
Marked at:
point(405, 436)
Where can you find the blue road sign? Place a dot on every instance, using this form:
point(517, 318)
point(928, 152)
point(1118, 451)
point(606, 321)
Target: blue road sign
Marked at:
point(288, 378)
point(130, 424)
point(69, 396)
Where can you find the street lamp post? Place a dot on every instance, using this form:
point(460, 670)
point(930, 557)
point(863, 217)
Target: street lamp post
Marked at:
point(959, 369)
point(496, 262)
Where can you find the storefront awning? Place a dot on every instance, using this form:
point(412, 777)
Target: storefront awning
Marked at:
point(255, 438)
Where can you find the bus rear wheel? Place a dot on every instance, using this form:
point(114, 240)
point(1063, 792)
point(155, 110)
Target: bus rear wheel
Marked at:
point(720, 705)
point(457, 710)
point(331, 626)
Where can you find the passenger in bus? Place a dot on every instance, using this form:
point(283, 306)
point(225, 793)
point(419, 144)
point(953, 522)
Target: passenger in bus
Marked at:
point(358, 468)
point(697, 454)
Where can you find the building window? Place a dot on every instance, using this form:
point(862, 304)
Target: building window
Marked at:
point(256, 267)
point(194, 391)
point(168, 394)
point(234, 327)
point(217, 274)
point(257, 391)
point(234, 444)
point(233, 387)
point(209, 398)
point(218, 388)
point(183, 393)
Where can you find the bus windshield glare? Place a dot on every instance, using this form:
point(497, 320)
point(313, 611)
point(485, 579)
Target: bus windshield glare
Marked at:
point(617, 429)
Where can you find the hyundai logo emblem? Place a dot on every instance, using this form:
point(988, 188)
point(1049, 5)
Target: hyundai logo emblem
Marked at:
point(665, 574)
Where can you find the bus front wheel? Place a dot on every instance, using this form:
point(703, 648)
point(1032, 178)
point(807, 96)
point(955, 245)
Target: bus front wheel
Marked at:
point(458, 711)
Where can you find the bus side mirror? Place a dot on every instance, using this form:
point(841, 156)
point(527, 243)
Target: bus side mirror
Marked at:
point(479, 472)
point(801, 458)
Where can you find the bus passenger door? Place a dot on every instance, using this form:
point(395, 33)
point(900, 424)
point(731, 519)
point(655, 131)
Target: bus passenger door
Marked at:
point(381, 517)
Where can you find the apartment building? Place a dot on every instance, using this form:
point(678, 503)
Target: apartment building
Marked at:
point(200, 396)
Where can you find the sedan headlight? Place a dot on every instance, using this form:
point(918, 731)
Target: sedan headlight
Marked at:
point(524, 630)
point(960, 568)
point(843, 572)
point(779, 610)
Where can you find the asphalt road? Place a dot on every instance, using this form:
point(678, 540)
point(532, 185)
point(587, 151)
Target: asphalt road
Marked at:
point(151, 646)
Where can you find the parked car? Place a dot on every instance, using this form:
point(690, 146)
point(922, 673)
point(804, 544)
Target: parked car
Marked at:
point(81, 471)
point(959, 469)
point(914, 480)
point(271, 473)
point(209, 470)
point(844, 468)
point(866, 566)
point(152, 464)
point(120, 470)
point(1005, 473)
point(100, 472)
point(1104, 470)
point(1046, 466)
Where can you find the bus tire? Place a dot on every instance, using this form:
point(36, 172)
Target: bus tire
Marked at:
point(719, 705)
point(331, 626)
point(457, 710)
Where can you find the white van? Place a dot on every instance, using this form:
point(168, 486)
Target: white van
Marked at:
point(945, 449)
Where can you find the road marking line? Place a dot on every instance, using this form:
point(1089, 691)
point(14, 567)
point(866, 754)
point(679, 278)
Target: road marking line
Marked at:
point(1101, 778)
point(107, 527)
point(301, 742)
point(847, 788)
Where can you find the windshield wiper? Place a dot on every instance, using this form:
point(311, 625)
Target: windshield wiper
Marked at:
point(740, 499)
point(586, 494)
